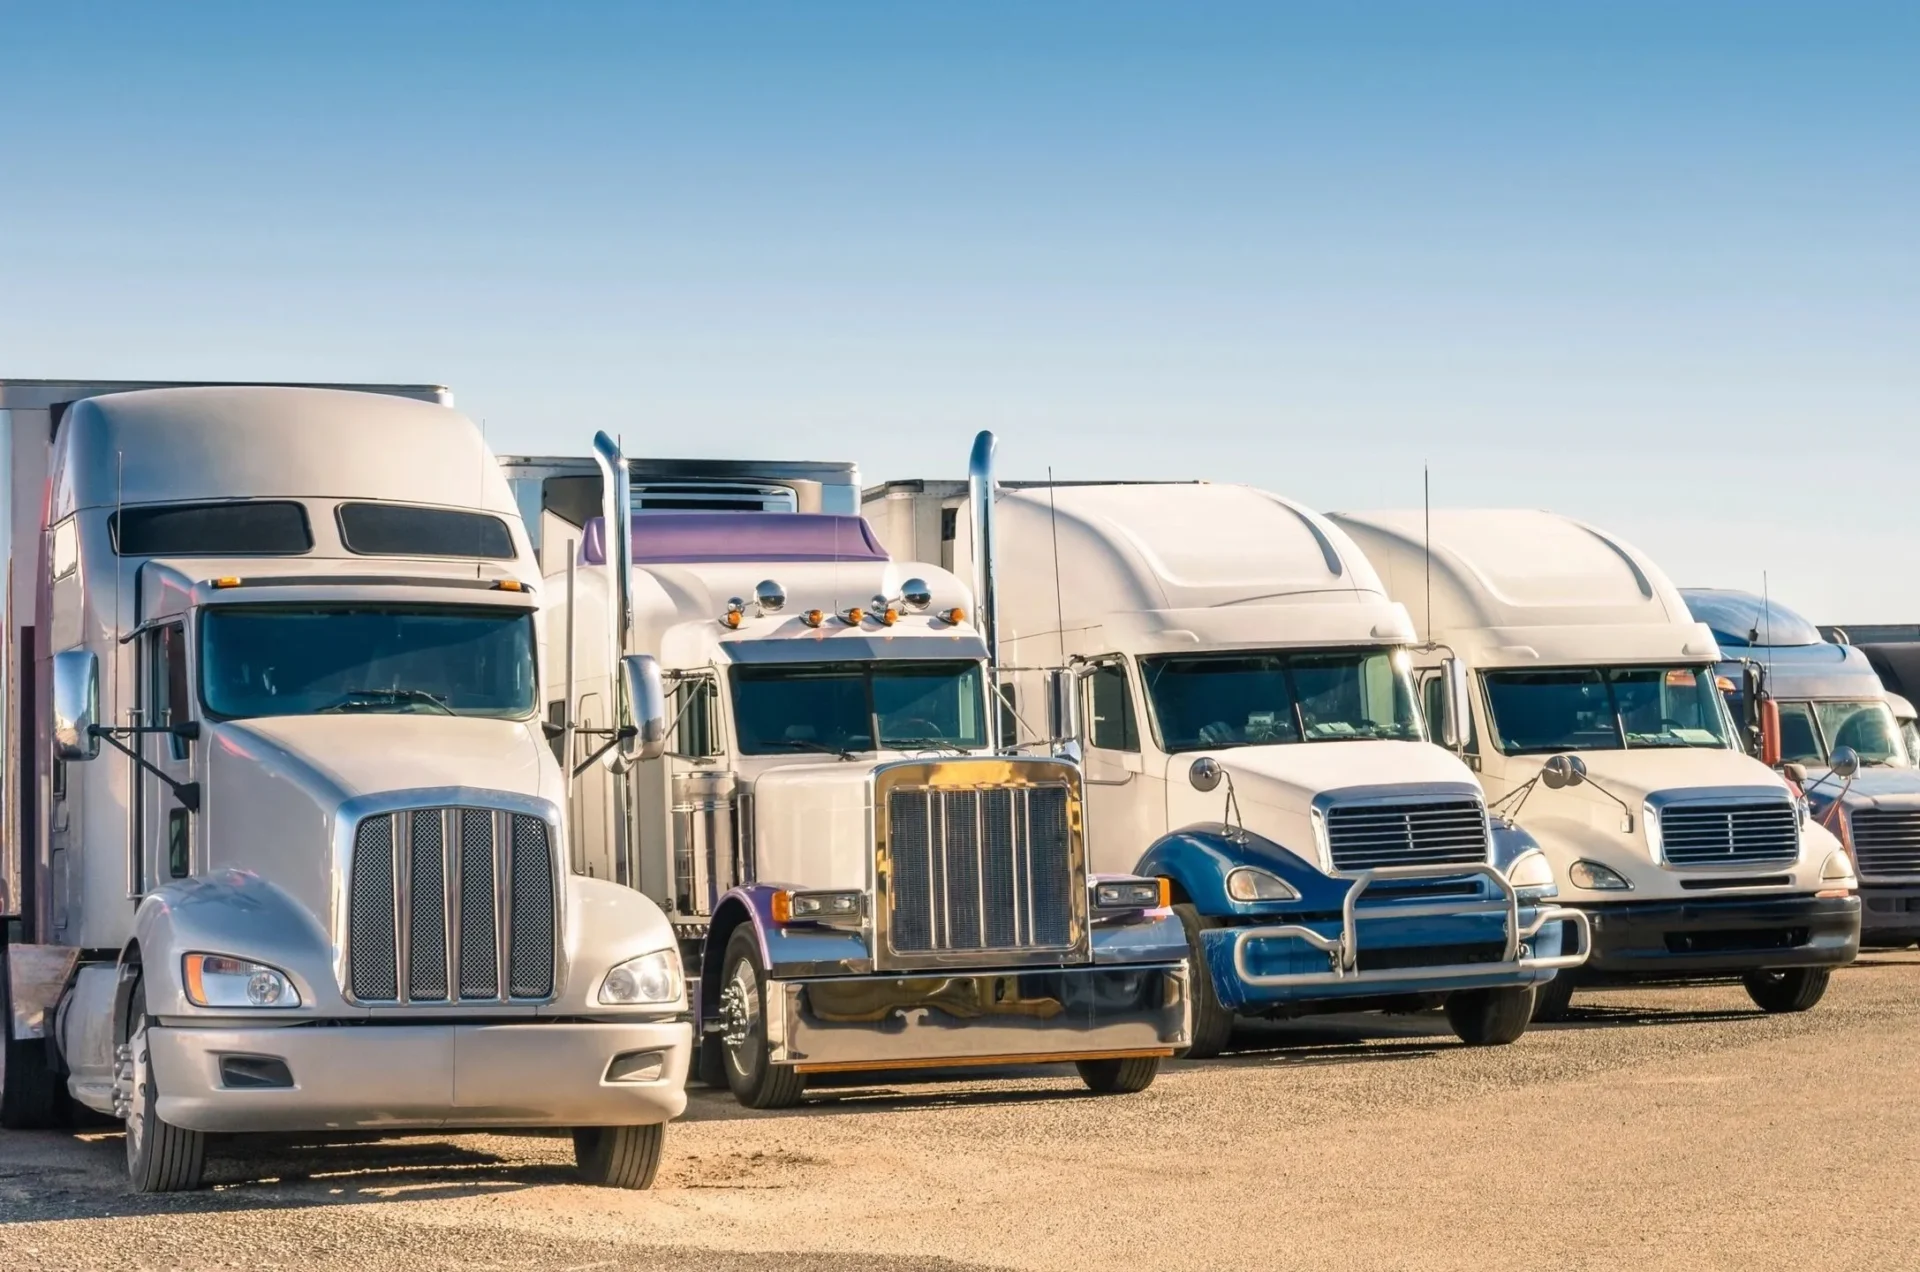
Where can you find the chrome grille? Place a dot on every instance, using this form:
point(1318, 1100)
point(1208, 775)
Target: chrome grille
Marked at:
point(1707, 835)
point(1443, 832)
point(979, 870)
point(1886, 841)
point(443, 903)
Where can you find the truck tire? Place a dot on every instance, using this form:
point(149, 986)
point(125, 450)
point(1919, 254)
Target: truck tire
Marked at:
point(1787, 989)
point(755, 1080)
point(619, 1156)
point(32, 1096)
point(161, 1157)
point(1551, 1000)
point(1490, 1017)
point(1212, 1023)
point(1118, 1077)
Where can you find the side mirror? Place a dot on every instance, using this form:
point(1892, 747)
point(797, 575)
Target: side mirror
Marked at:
point(1063, 705)
point(76, 704)
point(1206, 774)
point(647, 708)
point(1770, 733)
point(1563, 770)
point(1456, 723)
point(1845, 762)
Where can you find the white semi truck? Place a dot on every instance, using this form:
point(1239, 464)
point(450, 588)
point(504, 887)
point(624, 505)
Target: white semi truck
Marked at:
point(861, 876)
point(1597, 725)
point(286, 847)
point(1251, 736)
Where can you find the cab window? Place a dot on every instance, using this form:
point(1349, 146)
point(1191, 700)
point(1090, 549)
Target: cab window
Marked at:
point(1110, 720)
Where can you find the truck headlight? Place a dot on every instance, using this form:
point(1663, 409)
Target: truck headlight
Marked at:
point(803, 907)
point(1531, 869)
point(650, 979)
point(1131, 894)
point(1595, 877)
point(216, 980)
point(1249, 884)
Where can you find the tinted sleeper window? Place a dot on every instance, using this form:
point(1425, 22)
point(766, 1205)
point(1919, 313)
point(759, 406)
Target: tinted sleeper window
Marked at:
point(219, 529)
point(391, 530)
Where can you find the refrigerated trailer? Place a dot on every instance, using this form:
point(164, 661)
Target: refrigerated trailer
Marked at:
point(861, 875)
point(286, 849)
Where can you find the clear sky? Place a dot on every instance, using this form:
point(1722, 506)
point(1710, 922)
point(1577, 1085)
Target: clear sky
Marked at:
point(1654, 265)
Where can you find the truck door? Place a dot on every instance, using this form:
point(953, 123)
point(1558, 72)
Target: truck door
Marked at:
point(1126, 806)
point(167, 829)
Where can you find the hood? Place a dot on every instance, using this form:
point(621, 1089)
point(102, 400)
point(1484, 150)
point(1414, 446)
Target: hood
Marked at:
point(1634, 775)
point(275, 786)
point(1873, 787)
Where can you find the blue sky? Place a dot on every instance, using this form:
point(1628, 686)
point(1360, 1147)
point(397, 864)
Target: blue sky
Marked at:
point(1657, 265)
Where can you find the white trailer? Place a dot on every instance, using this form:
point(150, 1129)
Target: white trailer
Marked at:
point(276, 763)
point(1251, 735)
point(861, 876)
point(1597, 724)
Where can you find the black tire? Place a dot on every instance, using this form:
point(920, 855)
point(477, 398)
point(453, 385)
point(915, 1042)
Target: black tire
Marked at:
point(1490, 1017)
point(1551, 1000)
point(755, 1080)
point(619, 1156)
point(1118, 1077)
point(1787, 989)
point(161, 1157)
point(32, 1096)
point(1212, 1023)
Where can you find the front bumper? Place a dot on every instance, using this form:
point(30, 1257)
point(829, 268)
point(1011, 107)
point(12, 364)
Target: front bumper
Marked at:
point(1412, 946)
point(1008, 1017)
point(1686, 938)
point(396, 1077)
point(1889, 913)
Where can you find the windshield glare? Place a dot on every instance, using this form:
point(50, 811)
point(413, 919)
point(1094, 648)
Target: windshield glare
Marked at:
point(1605, 709)
point(305, 660)
point(1209, 701)
point(1866, 726)
point(841, 707)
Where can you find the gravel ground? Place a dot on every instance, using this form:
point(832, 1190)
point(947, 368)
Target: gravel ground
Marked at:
point(1669, 1128)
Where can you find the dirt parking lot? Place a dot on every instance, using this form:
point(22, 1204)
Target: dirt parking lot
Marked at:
point(1662, 1128)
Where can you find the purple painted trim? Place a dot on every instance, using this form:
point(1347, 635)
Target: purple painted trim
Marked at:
point(678, 538)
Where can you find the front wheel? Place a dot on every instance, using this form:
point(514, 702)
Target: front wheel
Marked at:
point(755, 1080)
point(161, 1157)
point(619, 1156)
point(1212, 1023)
point(1118, 1077)
point(1787, 989)
point(1552, 1000)
point(1490, 1017)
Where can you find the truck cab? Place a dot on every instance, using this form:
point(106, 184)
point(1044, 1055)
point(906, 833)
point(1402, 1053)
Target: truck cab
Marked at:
point(1251, 734)
point(1840, 729)
point(290, 772)
point(1597, 725)
point(861, 875)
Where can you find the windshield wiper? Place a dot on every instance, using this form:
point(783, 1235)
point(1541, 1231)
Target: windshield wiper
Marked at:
point(923, 744)
point(808, 744)
point(362, 698)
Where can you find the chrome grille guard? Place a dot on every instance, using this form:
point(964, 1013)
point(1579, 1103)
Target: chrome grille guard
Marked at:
point(1343, 951)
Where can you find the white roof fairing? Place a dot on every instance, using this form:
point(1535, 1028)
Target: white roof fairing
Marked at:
point(228, 442)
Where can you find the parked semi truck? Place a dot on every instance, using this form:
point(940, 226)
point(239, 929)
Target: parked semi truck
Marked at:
point(861, 876)
point(1597, 725)
point(1839, 729)
point(1251, 735)
point(286, 848)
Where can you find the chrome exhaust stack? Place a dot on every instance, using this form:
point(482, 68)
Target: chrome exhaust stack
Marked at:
point(616, 512)
point(981, 488)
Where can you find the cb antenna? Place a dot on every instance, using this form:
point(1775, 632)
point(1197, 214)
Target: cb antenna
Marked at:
point(1426, 509)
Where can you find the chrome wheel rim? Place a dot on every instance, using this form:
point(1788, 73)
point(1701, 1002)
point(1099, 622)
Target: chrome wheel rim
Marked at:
point(740, 1009)
point(136, 1120)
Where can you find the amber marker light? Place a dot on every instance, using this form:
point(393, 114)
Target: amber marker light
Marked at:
point(511, 585)
point(228, 581)
point(856, 616)
point(889, 616)
point(782, 907)
point(956, 616)
point(814, 618)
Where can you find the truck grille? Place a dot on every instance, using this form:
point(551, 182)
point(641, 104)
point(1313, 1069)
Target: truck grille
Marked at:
point(983, 869)
point(1886, 841)
point(1367, 836)
point(451, 904)
point(1710, 835)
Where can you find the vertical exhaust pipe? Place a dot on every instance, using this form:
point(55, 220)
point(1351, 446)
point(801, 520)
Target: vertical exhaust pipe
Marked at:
point(616, 511)
point(980, 491)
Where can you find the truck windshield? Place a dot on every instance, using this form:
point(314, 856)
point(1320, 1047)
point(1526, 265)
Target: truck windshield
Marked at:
point(1605, 709)
point(1209, 701)
point(1868, 727)
point(309, 659)
point(843, 707)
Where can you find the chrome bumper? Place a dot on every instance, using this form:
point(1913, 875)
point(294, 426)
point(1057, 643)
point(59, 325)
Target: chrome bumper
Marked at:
point(1012, 1017)
point(1343, 951)
point(380, 1077)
